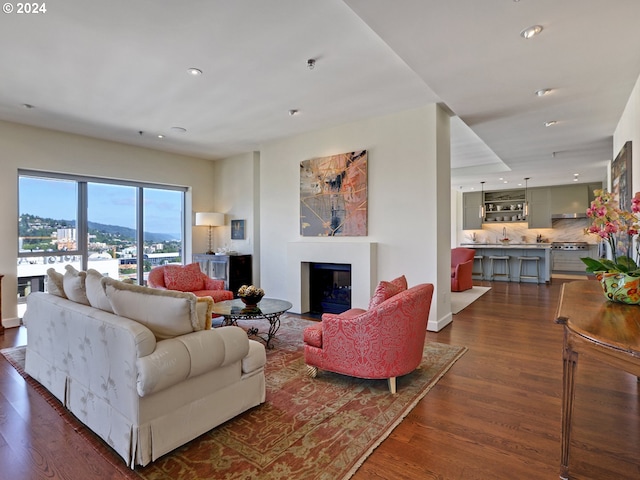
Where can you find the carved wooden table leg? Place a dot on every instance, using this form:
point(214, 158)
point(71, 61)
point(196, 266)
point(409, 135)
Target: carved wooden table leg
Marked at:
point(569, 365)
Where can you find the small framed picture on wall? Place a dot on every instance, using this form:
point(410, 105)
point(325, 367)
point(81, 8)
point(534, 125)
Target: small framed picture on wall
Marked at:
point(237, 229)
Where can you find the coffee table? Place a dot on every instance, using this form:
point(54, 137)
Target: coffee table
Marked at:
point(267, 308)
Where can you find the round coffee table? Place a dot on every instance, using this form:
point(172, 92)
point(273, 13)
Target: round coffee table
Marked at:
point(268, 308)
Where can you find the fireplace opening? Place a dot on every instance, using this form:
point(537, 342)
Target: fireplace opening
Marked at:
point(329, 288)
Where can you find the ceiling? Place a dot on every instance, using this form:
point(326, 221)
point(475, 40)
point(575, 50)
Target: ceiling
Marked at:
point(118, 71)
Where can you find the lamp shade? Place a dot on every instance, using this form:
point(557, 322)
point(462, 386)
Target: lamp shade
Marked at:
point(209, 219)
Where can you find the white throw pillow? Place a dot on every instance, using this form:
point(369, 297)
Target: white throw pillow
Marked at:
point(166, 313)
point(55, 283)
point(95, 291)
point(74, 285)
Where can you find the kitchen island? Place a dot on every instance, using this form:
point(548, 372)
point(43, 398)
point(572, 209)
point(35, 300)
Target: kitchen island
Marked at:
point(513, 251)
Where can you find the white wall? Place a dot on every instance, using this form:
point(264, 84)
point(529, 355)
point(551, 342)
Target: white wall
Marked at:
point(39, 149)
point(629, 129)
point(408, 195)
point(237, 191)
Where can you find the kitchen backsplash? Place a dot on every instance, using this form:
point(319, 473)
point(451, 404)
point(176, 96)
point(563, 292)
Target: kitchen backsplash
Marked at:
point(564, 230)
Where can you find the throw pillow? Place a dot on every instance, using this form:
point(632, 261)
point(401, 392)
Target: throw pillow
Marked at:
point(74, 285)
point(166, 313)
point(184, 279)
point(95, 291)
point(55, 283)
point(400, 282)
point(384, 291)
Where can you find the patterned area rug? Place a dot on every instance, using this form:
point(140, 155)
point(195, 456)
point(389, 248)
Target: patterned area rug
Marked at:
point(322, 428)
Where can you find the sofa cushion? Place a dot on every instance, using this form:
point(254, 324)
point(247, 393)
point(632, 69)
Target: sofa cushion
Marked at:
point(384, 291)
point(55, 283)
point(95, 291)
point(186, 278)
point(74, 285)
point(166, 313)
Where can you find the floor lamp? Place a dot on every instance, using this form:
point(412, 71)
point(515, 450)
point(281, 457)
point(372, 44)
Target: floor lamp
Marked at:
point(209, 219)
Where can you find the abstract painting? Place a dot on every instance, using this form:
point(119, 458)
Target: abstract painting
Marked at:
point(333, 195)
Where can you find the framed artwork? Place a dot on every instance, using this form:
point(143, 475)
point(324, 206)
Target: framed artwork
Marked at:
point(621, 177)
point(621, 190)
point(237, 229)
point(333, 195)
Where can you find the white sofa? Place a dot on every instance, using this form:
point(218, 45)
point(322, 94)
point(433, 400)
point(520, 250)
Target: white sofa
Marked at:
point(147, 376)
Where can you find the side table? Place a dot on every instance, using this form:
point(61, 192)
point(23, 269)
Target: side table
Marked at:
point(605, 331)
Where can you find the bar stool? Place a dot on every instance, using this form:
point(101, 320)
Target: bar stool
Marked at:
point(480, 259)
point(498, 258)
point(523, 261)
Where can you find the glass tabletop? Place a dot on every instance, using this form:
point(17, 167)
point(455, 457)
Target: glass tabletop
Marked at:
point(266, 306)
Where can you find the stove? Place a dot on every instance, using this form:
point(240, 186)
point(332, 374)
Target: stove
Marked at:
point(569, 245)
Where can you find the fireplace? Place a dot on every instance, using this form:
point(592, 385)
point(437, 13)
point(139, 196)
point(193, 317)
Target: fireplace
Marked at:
point(301, 255)
point(329, 288)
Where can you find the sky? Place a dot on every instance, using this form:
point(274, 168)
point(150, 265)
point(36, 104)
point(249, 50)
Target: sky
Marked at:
point(108, 204)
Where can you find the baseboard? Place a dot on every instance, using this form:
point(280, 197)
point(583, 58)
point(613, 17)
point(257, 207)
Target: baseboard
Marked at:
point(11, 322)
point(440, 324)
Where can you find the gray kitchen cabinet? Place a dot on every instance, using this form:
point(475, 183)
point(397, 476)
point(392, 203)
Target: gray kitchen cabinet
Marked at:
point(567, 199)
point(471, 211)
point(539, 199)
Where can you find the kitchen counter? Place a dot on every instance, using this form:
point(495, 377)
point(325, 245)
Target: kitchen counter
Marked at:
point(506, 245)
point(513, 251)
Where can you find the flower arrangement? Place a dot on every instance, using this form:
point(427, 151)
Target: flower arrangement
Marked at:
point(609, 221)
point(250, 294)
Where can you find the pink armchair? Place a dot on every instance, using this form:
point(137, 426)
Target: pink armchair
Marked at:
point(188, 278)
point(385, 341)
point(462, 269)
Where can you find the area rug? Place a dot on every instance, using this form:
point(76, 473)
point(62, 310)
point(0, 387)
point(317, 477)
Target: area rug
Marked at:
point(321, 428)
point(461, 300)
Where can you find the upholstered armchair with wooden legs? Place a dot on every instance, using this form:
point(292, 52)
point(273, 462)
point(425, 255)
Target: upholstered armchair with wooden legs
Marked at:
point(188, 278)
point(384, 342)
point(462, 269)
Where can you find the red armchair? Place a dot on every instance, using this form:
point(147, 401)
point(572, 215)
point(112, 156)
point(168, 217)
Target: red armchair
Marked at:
point(188, 278)
point(386, 341)
point(462, 269)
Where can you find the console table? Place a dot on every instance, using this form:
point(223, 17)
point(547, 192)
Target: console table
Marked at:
point(606, 331)
point(235, 270)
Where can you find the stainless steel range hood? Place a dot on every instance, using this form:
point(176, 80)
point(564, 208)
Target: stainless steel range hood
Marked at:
point(569, 215)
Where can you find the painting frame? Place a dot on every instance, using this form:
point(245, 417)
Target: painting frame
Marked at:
point(334, 196)
point(238, 229)
point(621, 189)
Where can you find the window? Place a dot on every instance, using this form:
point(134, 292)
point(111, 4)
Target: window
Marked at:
point(118, 228)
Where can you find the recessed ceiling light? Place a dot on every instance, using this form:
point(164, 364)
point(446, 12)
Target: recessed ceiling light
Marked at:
point(178, 129)
point(531, 31)
point(160, 136)
point(293, 112)
point(550, 123)
point(542, 92)
point(194, 71)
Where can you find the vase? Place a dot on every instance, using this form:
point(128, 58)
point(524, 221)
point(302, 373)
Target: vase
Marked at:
point(251, 301)
point(620, 287)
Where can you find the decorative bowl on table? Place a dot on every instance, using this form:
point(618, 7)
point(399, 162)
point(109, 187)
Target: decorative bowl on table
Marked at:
point(250, 295)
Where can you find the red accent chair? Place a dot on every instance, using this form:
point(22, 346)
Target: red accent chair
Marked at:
point(188, 278)
point(462, 269)
point(386, 341)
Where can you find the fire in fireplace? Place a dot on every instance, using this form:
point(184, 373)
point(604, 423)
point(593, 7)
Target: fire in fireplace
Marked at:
point(329, 288)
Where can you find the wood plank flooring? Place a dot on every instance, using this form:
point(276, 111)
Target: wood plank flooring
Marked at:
point(494, 415)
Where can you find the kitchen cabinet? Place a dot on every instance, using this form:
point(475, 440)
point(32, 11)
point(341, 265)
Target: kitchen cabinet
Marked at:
point(504, 206)
point(539, 199)
point(569, 199)
point(471, 211)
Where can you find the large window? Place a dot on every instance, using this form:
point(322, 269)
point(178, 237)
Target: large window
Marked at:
point(121, 229)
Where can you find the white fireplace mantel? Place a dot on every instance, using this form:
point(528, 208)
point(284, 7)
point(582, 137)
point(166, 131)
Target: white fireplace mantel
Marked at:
point(360, 255)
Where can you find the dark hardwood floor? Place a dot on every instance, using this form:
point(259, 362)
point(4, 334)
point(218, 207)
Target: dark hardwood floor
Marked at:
point(494, 415)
